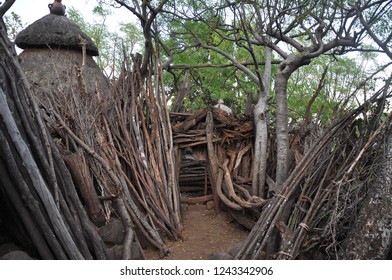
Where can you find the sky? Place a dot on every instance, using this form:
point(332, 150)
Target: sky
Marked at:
point(32, 10)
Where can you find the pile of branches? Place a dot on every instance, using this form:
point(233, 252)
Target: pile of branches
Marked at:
point(332, 168)
point(312, 215)
point(38, 195)
point(118, 146)
point(77, 160)
point(226, 142)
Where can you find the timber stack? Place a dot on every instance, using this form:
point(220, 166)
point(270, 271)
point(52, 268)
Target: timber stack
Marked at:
point(215, 156)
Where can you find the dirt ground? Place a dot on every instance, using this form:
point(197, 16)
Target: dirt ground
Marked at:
point(204, 234)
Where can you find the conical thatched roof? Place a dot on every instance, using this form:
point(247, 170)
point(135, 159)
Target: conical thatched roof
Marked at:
point(53, 31)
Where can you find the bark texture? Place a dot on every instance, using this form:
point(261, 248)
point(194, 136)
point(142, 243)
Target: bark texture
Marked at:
point(259, 165)
point(371, 236)
point(34, 178)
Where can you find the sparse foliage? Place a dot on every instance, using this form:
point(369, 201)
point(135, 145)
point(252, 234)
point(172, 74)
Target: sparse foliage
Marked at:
point(112, 45)
point(14, 25)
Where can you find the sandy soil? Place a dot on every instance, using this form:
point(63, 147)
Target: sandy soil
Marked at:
point(204, 234)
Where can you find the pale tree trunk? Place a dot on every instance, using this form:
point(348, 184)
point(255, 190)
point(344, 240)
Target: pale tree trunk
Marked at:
point(261, 128)
point(267, 69)
point(371, 236)
point(261, 139)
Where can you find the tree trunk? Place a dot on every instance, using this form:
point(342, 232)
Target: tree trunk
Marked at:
point(261, 127)
point(282, 135)
point(286, 68)
point(261, 142)
point(371, 236)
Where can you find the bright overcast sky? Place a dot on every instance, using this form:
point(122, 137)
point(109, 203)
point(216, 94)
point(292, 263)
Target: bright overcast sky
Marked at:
point(32, 10)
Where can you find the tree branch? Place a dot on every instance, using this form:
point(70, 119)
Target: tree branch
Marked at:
point(132, 9)
point(225, 65)
point(5, 7)
point(371, 33)
point(235, 62)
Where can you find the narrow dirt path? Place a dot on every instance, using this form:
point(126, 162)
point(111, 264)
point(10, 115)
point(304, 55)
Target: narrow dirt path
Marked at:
point(204, 234)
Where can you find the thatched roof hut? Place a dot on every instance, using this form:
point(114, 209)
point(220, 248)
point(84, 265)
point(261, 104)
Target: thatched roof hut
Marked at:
point(55, 32)
point(52, 48)
point(90, 162)
point(70, 88)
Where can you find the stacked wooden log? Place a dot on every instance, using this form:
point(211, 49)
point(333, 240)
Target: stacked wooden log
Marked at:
point(189, 129)
point(193, 176)
point(216, 149)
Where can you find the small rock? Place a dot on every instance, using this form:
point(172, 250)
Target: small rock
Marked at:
point(16, 255)
point(8, 247)
point(210, 205)
point(113, 232)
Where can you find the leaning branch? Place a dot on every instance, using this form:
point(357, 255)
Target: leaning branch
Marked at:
point(235, 62)
point(5, 7)
point(209, 65)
